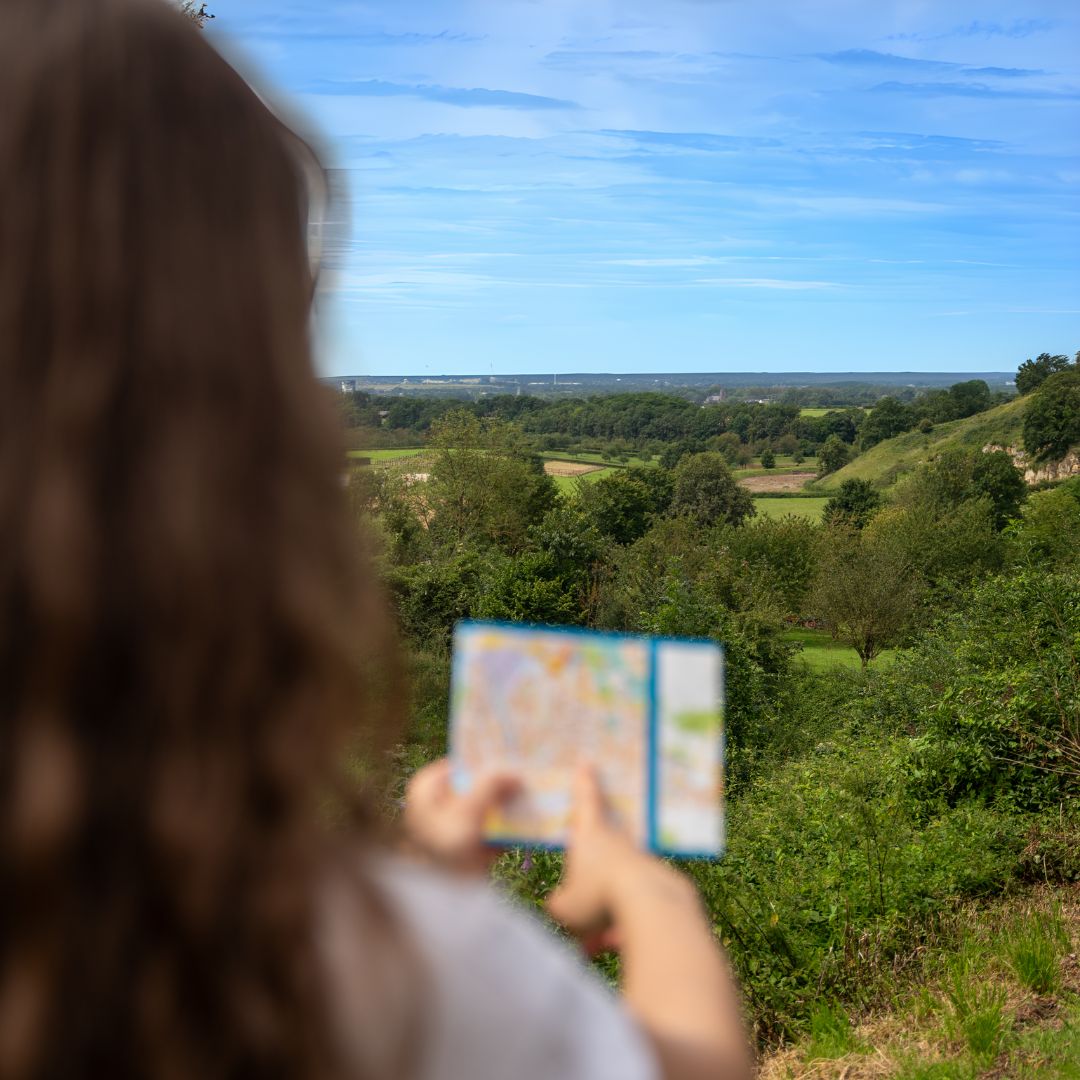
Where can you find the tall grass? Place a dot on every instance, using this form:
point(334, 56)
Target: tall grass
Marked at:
point(831, 1034)
point(975, 1007)
point(1033, 947)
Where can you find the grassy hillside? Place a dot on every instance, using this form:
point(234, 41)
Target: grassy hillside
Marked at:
point(885, 463)
point(1000, 1001)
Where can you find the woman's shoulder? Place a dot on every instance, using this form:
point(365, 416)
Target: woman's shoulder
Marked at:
point(503, 995)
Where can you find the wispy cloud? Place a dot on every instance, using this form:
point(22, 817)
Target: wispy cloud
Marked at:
point(980, 28)
point(477, 97)
point(973, 90)
point(576, 58)
point(657, 263)
point(382, 39)
point(784, 284)
point(691, 140)
point(872, 58)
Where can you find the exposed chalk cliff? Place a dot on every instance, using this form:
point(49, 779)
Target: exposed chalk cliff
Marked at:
point(1068, 466)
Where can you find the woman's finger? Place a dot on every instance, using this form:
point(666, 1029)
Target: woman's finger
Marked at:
point(589, 805)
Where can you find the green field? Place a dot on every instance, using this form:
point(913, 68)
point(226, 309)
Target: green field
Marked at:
point(885, 463)
point(588, 458)
point(387, 455)
point(784, 465)
point(822, 412)
point(820, 651)
point(396, 453)
point(780, 507)
point(568, 484)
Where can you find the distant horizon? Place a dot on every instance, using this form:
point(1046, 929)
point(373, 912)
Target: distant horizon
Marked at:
point(872, 376)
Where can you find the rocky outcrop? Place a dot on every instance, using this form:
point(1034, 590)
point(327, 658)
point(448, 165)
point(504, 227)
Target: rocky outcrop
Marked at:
point(1052, 471)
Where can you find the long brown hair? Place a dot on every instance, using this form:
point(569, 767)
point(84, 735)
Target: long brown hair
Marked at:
point(184, 620)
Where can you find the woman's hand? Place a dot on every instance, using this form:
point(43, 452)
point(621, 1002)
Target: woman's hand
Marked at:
point(605, 873)
point(446, 826)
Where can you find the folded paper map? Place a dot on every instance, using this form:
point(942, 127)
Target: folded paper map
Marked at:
point(647, 712)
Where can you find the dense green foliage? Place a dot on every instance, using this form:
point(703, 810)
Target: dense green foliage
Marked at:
point(854, 504)
point(864, 804)
point(1033, 373)
point(706, 492)
point(833, 455)
point(1052, 418)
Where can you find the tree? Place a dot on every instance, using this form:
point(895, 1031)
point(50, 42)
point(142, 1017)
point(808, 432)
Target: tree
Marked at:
point(529, 588)
point(968, 398)
point(996, 477)
point(706, 491)
point(867, 591)
point(1049, 531)
point(1031, 374)
point(485, 485)
point(888, 417)
point(768, 459)
point(951, 547)
point(619, 505)
point(957, 475)
point(673, 453)
point(196, 12)
point(1052, 418)
point(729, 444)
point(853, 505)
point(833, 455)
point(784, 550)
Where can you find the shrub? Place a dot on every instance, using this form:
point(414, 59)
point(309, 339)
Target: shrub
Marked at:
point(1006, 723)
point(1049, 531)
point(854, 504)
point(833, 874)
point(1052, 418)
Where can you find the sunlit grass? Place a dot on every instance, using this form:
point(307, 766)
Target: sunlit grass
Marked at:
point(820, 651)
point(388, 455)
point(567, 485)
point(780, 507)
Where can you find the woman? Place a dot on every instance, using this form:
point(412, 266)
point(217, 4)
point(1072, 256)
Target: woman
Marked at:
point(189, 639)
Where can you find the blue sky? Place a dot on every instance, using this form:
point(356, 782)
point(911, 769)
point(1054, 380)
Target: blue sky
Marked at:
point(688, 185)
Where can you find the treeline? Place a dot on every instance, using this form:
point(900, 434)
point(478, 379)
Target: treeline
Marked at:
point(652, 422)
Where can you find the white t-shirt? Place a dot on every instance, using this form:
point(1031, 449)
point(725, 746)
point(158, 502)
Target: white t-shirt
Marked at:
point(504, 999)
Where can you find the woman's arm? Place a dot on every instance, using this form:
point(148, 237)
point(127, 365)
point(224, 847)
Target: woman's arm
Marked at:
point(675, 977)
